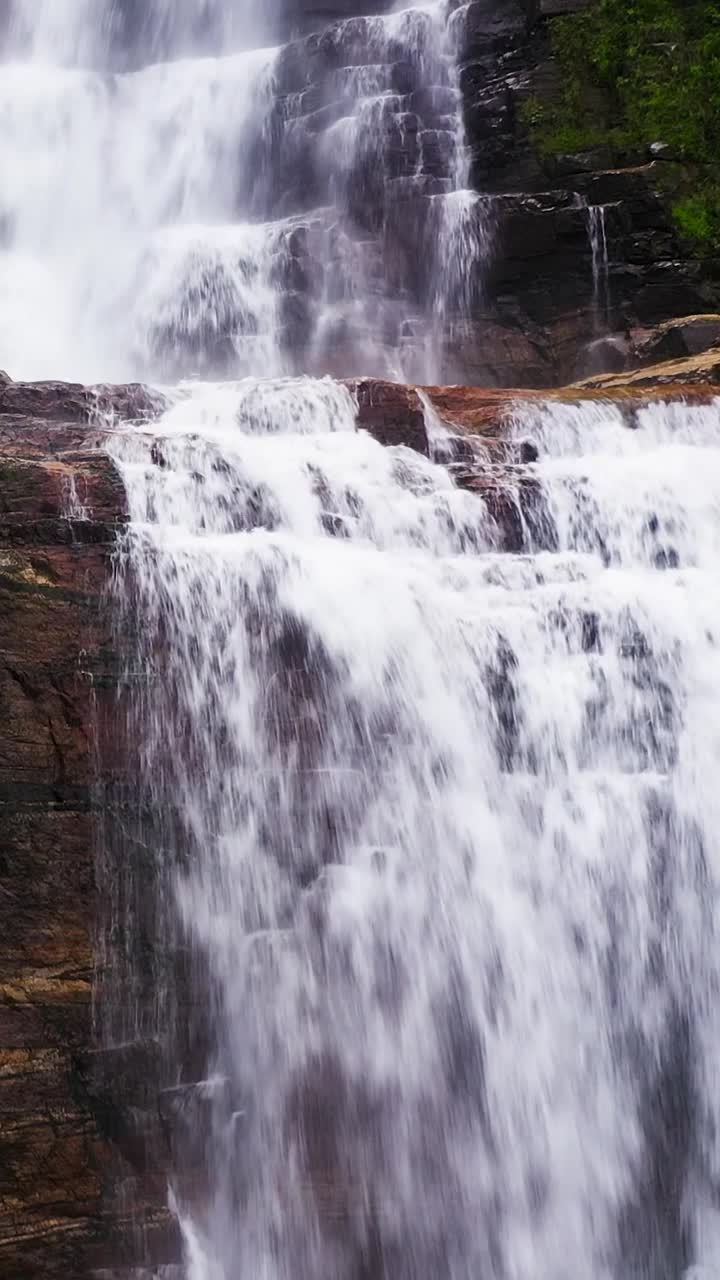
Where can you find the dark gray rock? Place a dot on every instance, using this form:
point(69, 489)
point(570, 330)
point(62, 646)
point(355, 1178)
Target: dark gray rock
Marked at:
point(674, 339)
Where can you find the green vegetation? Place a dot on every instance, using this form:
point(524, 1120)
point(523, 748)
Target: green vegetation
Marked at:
point(634, 72)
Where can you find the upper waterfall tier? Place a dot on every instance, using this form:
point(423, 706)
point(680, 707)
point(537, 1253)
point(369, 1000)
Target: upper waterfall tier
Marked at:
point(276, 210)
point(125, 34)
point(403, 222)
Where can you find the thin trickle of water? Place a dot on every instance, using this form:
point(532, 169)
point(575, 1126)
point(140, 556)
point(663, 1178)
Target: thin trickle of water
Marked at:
point(446, 837)
point(597, 232)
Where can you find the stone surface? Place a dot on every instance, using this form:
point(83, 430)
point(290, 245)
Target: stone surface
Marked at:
point(675, 339)
point(689, 371)
point(539, 282)
point(66, 402)
point(390, 412)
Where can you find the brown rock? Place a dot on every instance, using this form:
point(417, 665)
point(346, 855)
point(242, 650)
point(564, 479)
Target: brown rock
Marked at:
point(670, 377)
point(61, 505)
point(69, 402)
point(391, 412)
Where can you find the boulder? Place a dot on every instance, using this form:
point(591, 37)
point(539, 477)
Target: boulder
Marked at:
point(688, 372)
point(390, 412)
point(674, 339)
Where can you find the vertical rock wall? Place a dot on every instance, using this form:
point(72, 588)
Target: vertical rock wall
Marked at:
point(61, 505)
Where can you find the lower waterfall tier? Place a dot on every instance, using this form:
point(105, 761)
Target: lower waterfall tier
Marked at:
point(404, 707)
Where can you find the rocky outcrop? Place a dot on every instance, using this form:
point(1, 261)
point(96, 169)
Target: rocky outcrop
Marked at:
point(689, 371)
point(391, 411)
point(676, 339)
point(576, 303)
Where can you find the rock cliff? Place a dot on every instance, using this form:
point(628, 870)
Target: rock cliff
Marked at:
point(586, 261)
point(61, 506)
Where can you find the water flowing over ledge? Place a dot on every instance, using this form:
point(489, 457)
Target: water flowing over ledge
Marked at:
point(417, 751)
point(433, 804)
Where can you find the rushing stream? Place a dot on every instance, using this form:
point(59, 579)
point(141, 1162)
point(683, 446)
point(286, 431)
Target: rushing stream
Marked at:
point(434, 826)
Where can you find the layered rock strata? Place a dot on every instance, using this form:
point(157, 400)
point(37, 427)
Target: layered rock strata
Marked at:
point(61, 506)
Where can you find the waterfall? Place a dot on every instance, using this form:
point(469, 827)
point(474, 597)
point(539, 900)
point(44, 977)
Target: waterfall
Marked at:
point(176, 201)
point(122, 33)
point(416, 900)
point(446, 837)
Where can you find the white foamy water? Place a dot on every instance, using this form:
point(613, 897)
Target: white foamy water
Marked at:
point(117, 192)
point(447, 827)
point(153, 180)
point(92, 32)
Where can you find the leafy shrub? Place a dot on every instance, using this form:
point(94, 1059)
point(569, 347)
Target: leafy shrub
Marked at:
point(634, 72)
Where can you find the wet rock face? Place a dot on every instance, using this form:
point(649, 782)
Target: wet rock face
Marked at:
point(298, 17)
point(61, 506)
point(541, 280)
point(391, 413)
point(539, 305)
point(362, 148)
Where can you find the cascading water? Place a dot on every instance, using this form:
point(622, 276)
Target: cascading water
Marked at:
point(432, 827)
point(172, 216)
point(449, 838)
point(597, 232)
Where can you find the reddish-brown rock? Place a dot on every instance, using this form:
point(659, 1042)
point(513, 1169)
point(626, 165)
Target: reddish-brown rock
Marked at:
point(61, 505)
point(391, 412)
